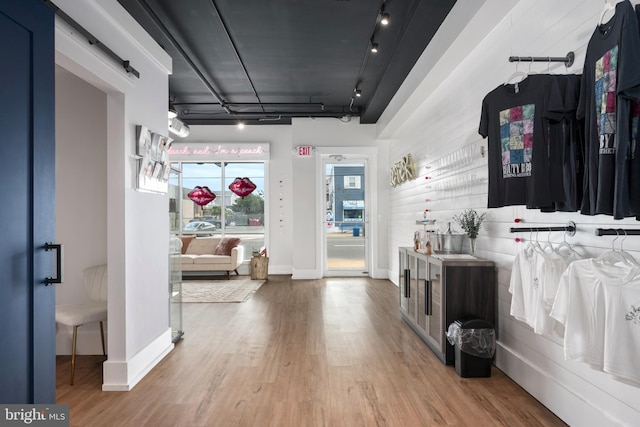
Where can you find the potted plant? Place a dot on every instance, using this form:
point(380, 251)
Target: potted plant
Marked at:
point(470, 221)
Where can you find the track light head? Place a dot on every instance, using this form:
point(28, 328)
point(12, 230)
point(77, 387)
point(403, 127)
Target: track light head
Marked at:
point(385, 18)
point(374, 47)
point(178, 128)
point(173, 113)
point(358, 92)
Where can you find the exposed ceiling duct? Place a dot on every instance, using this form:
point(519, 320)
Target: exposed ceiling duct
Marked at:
point(265, 62)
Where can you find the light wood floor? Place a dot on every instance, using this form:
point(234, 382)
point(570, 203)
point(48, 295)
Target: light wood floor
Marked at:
point(331, 352)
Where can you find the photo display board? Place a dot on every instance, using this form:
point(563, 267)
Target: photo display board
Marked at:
point(153, 161)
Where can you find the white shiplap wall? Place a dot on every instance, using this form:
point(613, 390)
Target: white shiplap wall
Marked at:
point(447, 121)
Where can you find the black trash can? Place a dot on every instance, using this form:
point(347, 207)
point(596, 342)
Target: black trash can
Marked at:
point(474, 342)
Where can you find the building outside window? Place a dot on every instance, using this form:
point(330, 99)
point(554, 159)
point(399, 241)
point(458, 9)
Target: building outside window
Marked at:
point(348, 196)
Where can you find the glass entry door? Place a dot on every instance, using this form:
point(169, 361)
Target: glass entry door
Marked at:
point(346, 217)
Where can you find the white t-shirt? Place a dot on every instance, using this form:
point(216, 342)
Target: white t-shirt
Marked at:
point(523, 286)
point(536, 269)
point(551, 266)
point(558, 263)
point(588, 304)
point(622, 330)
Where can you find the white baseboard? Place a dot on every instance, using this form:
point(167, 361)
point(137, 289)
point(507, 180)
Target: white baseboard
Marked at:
point(124, 375)
point(393, 277)
point(297, 274)
point(567, 404)
point(317, 274)
point(280, 269)
point(380, 273)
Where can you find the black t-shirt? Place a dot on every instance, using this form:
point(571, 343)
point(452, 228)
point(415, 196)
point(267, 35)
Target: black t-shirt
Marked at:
point(634, 152)
point(611, 78)
point(566, 148)
point(513, 119)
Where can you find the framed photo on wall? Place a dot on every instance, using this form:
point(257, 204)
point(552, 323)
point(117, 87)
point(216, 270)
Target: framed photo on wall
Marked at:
point(152, 160)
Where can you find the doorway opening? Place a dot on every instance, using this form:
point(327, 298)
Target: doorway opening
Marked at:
point(345, 206)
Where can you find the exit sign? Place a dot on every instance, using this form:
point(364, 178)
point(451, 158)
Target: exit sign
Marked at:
point(304, 150)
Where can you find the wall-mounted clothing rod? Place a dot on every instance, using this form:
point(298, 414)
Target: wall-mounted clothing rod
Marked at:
point(568, 60)
point(570, 229)
point(617, 232)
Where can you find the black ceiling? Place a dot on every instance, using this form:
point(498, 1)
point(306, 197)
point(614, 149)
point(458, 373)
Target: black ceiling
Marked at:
point(265, 61)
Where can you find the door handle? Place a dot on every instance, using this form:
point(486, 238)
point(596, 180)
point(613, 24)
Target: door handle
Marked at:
point(58, 248)
point(406, 283)
point(427, 299)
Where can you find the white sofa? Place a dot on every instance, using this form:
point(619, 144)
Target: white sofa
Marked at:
point(199, 256)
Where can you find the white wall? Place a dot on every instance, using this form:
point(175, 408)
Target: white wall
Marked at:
point(137, 223)
point(293, 242)
point(443, 117)
point(333, 135)
point(81, 196)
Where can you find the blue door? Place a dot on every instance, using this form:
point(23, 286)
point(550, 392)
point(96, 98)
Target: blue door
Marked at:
point(27, 218)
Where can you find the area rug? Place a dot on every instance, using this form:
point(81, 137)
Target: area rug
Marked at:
point(237, 290)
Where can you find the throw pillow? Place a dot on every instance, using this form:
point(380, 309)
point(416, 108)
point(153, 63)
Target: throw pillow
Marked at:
point(185, 242)
point(225, 245)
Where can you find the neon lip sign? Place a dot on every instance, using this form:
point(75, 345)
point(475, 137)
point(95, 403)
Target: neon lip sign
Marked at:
point(219, 150)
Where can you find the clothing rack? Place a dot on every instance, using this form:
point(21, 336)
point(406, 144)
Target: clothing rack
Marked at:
point(568, 60)
point(570, 229)
point(617, 232)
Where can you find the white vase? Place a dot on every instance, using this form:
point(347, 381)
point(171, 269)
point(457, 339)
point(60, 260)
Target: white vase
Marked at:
point(472, 243)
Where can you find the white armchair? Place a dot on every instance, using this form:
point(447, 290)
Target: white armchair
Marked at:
point(95, 310)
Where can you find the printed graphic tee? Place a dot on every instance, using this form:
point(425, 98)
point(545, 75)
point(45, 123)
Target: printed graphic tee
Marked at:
point(599, 304)
point(610, 81)
point(634, 154)
point(513, 119)
point(622, 330)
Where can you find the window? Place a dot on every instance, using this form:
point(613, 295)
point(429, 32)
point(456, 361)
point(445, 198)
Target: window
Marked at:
point(352, 210)
point(352, 181)
point(227, 214)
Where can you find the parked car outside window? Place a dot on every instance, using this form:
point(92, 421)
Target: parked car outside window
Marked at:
point(198, 227)
point(207, 218)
